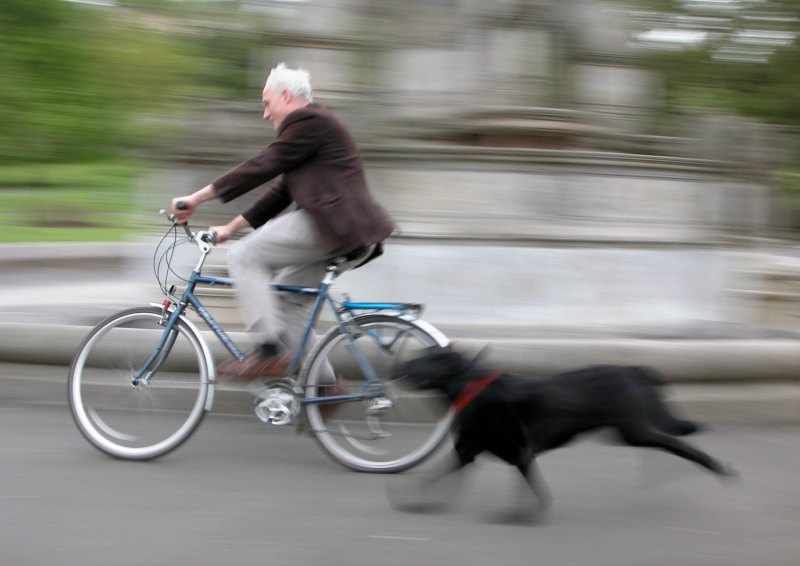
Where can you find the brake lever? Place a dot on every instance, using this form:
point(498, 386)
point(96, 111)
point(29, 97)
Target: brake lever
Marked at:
point(184, 225)
point(209, 237)
point(170, 217)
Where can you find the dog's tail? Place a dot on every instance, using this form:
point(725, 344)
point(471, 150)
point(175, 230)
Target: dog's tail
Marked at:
point(658, 412)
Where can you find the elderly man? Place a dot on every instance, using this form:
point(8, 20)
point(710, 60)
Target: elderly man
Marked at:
point(323, 176)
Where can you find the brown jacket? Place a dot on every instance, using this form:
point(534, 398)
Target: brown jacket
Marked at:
point(322, 173)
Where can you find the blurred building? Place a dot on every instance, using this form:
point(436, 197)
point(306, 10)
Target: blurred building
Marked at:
point(523, 126)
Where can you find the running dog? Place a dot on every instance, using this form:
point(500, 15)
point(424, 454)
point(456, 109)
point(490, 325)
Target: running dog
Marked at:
point(517, 419)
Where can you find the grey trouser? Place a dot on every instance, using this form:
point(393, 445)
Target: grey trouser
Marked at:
point(290, 250)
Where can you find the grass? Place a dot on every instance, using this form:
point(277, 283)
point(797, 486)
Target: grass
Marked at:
point(66, 202)
point(86, 175)
point(28, 234)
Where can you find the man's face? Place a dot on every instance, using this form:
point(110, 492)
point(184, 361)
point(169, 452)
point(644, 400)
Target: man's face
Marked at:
point(275, 106)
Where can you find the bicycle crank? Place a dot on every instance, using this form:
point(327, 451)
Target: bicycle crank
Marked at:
point(277, 405)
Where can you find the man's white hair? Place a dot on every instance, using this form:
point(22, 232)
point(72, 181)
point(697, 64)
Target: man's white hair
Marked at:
point(296, 81)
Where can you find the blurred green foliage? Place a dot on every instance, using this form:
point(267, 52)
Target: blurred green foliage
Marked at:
point(694, 78)
point(83, 85)
point(77, 201)
point(99, 175)
point(790, 182)
point(766, 91)
point(223, 59)
point(76, 78)
point(183, 8)
point(216, 38)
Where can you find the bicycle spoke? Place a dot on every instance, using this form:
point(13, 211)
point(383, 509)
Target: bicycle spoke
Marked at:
point(374, 435)
point(153, 417)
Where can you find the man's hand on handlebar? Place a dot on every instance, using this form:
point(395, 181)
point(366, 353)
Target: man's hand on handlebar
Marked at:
point(223, 233)
point(227, 231)
point(183, 208)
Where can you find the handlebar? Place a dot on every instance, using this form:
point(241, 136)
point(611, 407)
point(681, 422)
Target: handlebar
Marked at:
point(207, 237)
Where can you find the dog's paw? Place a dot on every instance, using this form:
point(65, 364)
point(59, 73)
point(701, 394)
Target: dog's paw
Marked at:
point(518, 516)
point(419, 506)
point(728, 473)
point(526, 509)
point(415, 497)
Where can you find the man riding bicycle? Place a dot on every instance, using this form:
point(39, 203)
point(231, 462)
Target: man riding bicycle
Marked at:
point(334, 213)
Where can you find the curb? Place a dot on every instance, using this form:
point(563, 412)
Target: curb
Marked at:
point(45, 255)
point(716, 381)
point(722, 360)
point(767, 404)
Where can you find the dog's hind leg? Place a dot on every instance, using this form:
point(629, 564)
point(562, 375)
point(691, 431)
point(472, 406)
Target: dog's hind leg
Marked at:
point(656, 408)
point(531, 498)
point(638, 434)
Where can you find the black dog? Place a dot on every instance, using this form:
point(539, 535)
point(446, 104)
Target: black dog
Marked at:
point(516, 419)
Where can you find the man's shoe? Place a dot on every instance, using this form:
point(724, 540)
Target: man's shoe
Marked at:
point(254, 366)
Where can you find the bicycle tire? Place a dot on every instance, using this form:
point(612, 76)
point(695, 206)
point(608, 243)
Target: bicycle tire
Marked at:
point(329, 440)
point(98, 432)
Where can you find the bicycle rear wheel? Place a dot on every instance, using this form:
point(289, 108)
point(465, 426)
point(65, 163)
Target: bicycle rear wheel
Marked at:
point(151, 419)
point(393, 433)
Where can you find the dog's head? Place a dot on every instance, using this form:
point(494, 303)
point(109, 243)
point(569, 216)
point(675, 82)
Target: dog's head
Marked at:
point(438, 368)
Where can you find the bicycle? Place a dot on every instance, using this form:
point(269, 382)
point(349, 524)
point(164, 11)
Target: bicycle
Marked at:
point(148, 369)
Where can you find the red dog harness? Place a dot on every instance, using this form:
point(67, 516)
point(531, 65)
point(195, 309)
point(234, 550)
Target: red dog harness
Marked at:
point(472, 390)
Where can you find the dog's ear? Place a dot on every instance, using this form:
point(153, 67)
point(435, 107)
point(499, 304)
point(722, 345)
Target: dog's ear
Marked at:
point(479, 356)
point(439, 349)
point(468, 366)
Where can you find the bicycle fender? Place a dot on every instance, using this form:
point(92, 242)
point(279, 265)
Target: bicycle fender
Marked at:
point(437, 334)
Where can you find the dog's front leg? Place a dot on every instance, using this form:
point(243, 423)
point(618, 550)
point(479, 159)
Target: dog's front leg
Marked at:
point(533, 476)
point(535, 484)
point(428, 492)
point(531, 498)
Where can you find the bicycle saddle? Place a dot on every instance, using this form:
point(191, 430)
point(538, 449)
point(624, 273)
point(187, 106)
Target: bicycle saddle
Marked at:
point(357, 257)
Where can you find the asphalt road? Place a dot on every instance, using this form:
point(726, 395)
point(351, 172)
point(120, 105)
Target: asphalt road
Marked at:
point(239, 493)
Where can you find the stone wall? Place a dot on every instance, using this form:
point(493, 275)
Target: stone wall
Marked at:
point(548, 241)
point(571, 237)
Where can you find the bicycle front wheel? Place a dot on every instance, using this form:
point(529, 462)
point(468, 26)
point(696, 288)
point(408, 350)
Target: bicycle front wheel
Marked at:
point(156, 416)
point(392, 432)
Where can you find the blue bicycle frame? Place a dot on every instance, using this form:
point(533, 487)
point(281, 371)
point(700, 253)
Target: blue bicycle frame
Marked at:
point(372, 386)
